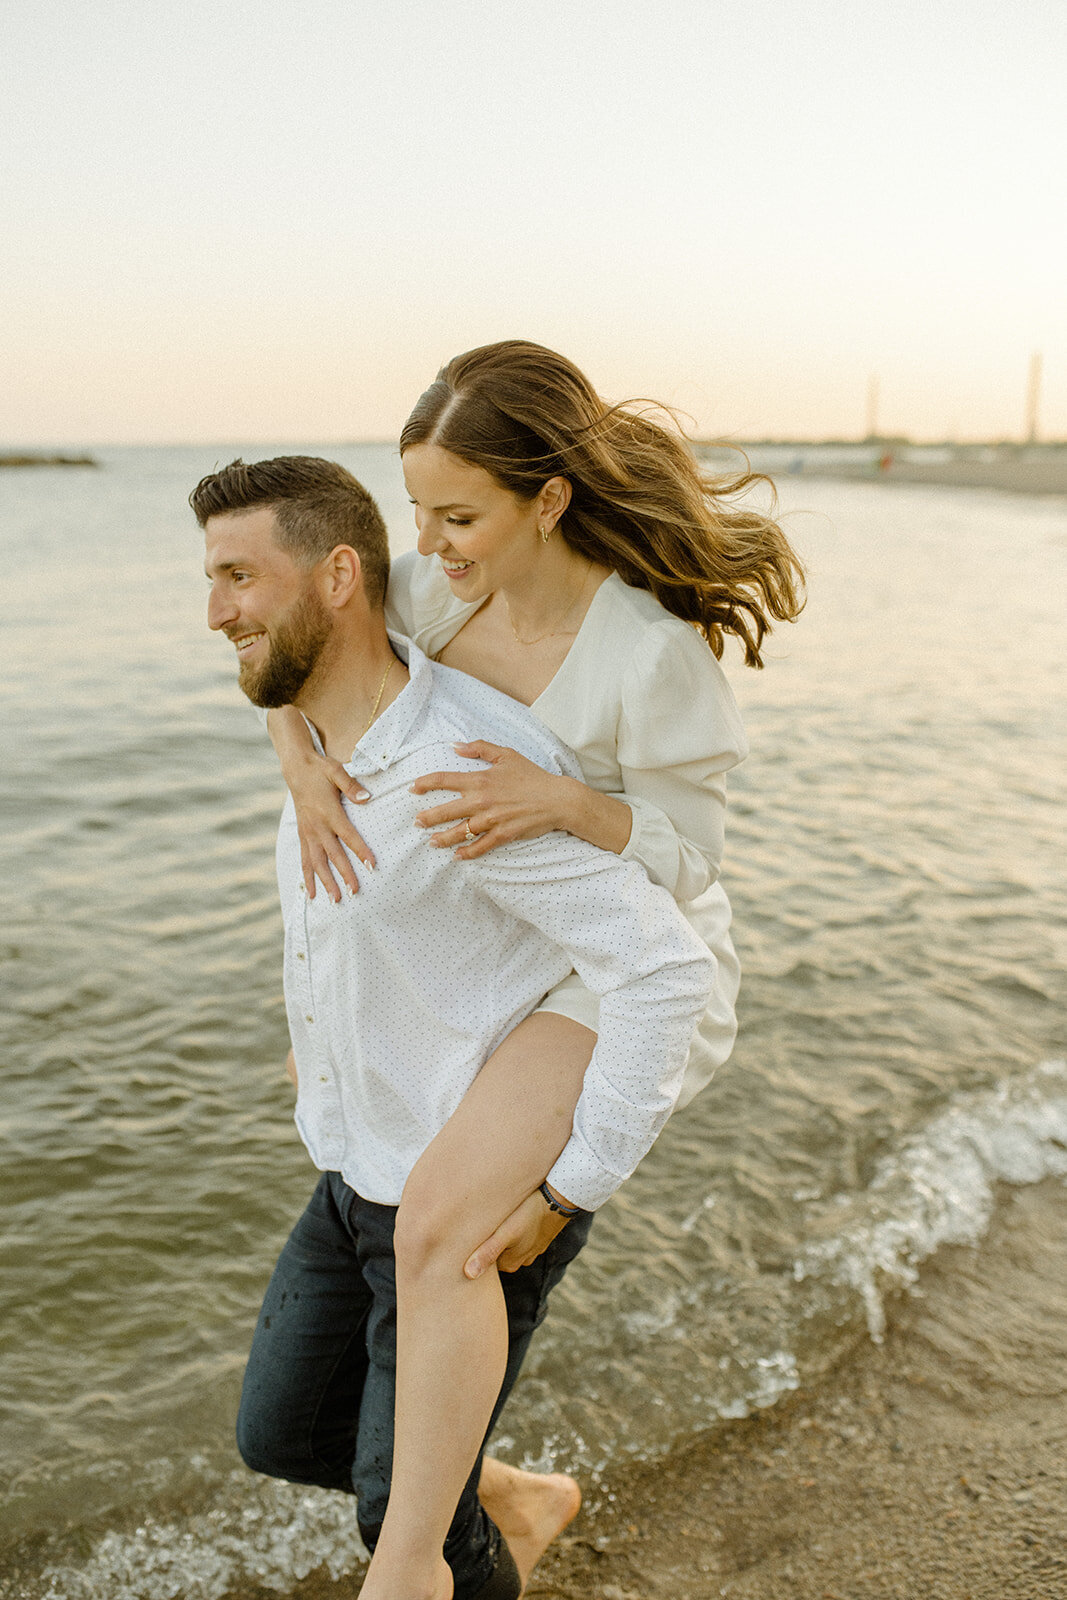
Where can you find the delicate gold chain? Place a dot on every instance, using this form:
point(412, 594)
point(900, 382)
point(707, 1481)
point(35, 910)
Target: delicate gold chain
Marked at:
point(551, 632)
point(381, 691)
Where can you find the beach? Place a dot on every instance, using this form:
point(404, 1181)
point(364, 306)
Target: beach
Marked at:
point(814, 1346)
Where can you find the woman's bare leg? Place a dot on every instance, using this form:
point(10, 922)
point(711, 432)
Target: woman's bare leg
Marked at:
point(452, 1331)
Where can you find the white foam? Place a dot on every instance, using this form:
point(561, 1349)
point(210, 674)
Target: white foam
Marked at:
point(938, 1186)
point(273, 1533)
point(771, 1376)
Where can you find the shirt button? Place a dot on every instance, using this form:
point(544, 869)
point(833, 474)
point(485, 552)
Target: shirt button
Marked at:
point(309, 1017)
point(300, 956)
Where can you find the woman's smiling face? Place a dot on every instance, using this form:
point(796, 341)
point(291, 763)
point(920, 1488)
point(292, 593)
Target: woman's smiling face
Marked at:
point(485, 537)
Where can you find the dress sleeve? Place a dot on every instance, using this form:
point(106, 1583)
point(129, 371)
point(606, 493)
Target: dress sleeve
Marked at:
point(680, 732)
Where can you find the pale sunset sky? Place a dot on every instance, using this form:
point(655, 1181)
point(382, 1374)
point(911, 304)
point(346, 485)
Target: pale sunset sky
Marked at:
point(267, 221)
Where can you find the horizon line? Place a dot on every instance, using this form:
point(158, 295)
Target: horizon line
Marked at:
point(705, 441)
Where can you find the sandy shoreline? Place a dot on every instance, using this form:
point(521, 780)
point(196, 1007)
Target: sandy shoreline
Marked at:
point(932, 1467)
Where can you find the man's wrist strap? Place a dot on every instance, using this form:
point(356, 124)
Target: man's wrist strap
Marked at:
point(554, 1205)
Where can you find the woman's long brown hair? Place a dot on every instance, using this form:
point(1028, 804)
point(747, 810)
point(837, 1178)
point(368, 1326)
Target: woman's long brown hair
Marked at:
point(640, 503)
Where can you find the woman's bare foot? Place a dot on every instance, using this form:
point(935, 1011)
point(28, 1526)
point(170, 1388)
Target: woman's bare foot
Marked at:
point(529, 1508)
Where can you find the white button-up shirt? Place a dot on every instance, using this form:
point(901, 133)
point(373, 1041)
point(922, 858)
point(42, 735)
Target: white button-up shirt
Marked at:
point(397, 995)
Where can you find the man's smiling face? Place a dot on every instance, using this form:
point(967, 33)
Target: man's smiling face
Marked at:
point(265, 603)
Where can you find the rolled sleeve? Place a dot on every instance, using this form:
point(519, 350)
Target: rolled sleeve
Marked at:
point(631, 946)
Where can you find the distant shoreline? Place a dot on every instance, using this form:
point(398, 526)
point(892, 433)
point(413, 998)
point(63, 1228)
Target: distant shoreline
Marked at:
point(32, 458)
point(1016, 476)
point(1033, 469)
point(1015, 469)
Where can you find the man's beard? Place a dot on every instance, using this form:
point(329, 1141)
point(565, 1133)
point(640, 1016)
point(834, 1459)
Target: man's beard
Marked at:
point(294, 648)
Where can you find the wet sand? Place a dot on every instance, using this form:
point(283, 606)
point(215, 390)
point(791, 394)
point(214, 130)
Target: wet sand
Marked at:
point(932, 1467)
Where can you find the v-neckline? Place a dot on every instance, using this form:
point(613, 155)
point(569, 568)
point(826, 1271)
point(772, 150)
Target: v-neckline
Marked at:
point(612, 577)
point(550, 685)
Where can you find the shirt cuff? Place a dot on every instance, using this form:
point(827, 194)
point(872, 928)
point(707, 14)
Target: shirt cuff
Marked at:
point(581, 1181)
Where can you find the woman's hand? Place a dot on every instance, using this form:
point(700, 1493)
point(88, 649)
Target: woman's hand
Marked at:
point(520, 1238)
point(316, 785)
point(512, 798)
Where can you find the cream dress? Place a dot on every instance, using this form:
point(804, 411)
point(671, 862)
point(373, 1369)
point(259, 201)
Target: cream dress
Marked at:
point(647, 710)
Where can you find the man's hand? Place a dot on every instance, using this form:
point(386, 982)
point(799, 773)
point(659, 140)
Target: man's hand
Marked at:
point(519, 1240)
point(290, 1069)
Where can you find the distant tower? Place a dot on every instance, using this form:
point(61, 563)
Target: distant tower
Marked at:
point(1033, 394)
point(872, 406)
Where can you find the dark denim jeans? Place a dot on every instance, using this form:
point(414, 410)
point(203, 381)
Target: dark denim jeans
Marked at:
point(317, 1403)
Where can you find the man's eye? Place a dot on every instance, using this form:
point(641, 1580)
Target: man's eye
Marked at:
point(459, 522)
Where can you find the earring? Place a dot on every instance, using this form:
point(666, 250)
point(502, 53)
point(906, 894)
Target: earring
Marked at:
point(544, 532)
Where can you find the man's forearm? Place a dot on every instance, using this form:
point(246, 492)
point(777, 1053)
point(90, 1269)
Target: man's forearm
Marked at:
point(633, 1079)
point(631, 945)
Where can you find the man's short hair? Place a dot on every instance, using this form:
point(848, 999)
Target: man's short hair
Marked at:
point(318, 505)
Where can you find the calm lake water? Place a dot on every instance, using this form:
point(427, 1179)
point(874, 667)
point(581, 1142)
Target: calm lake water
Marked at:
point(895, 862)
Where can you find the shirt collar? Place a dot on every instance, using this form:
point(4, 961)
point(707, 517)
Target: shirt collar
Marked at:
point(384, 740)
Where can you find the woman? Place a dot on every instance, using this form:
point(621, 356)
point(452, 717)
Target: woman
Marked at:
point(572, 555)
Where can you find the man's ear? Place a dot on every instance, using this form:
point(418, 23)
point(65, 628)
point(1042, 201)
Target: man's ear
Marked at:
point(340, 575)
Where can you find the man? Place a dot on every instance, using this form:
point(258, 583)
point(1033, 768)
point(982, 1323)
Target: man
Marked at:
point(396, 996)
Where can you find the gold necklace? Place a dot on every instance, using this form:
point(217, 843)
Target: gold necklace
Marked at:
point(551, 633)
point(381, 691)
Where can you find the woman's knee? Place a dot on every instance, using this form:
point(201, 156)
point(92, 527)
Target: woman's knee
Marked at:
point(429, 1233)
